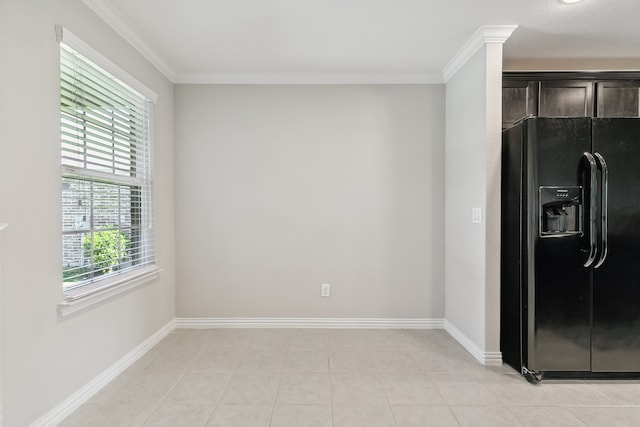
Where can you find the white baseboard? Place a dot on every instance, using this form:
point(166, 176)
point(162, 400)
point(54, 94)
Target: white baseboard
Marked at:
point(289, 322)
point(73, 402)
point(493, 358)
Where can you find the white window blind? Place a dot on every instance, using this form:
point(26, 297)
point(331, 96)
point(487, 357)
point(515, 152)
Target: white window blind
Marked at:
point(106, 175)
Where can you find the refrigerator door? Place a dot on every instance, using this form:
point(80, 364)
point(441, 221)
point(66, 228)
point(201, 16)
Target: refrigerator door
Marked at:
point(616, 288)
point(559, 286)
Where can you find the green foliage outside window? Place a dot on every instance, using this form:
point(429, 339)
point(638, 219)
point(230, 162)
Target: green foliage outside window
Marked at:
point(110, 248)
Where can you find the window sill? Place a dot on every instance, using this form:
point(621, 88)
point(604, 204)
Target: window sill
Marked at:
point(81, 298)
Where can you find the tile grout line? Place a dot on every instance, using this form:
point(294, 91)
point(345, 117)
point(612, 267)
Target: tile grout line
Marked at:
point(157, 405)
point(386, 394)
point(275, 398)
point(218, 403)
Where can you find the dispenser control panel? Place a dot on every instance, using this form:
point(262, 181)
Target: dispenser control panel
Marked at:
point(561, 211)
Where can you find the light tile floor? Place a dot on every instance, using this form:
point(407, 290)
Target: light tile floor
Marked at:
point(341, 377)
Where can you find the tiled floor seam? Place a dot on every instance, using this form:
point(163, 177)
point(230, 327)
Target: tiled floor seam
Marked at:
point(157, 405)
point(275, 398)
point(216, 404)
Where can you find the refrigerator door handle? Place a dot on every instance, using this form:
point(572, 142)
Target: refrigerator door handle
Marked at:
point(604, 210)
point(592, 209)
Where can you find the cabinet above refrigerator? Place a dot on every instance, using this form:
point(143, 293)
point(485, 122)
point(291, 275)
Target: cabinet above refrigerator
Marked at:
point(605, 95)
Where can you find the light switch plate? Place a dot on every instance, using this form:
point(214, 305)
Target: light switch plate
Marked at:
point(325, 290)
point(476, 215)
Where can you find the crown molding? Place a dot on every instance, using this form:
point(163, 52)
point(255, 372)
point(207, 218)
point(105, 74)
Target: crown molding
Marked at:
point(484, 34)
point(115, 20)
point(119, 23)
point(302, 78)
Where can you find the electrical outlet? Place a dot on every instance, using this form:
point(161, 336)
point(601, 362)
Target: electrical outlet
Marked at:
point(325, 290)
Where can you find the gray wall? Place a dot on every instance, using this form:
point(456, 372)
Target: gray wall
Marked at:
point(282, 188)
point(465, 189)
point(46, 358)
point(473, 141)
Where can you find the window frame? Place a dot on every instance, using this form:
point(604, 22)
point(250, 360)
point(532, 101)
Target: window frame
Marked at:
point(89, 292)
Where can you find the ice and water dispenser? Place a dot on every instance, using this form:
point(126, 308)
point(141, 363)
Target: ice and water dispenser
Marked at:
point(560, 211)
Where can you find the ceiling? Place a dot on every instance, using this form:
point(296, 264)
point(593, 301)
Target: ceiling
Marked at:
point(217, 41)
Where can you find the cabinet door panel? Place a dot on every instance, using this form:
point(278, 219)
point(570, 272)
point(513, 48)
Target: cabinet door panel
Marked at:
point(618, 99)
point(566, 98)
point(519, 99)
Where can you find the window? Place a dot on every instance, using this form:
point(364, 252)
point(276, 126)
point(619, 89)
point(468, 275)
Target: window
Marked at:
point(107, 232)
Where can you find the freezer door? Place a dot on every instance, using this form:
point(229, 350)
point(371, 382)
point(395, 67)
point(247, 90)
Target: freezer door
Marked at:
point(616, 289)
point(559, 286)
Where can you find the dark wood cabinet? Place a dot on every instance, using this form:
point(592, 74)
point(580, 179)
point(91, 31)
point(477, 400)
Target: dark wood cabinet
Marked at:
point(519, 99)
point(610, 94)
point(618, 99)
point(565, 98)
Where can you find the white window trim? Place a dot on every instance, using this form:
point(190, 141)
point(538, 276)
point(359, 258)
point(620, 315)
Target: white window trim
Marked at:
point(70, 39)
point(75, 300)
point(86, 296)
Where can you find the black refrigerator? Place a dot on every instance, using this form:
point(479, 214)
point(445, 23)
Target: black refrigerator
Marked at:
point(570, 247)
